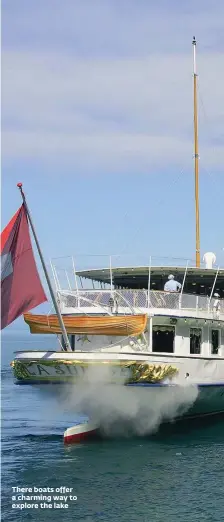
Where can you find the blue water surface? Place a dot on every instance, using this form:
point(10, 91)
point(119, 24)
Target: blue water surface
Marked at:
point(174, 476)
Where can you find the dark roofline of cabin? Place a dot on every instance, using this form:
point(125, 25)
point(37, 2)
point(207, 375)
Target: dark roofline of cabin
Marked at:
point(198, 280)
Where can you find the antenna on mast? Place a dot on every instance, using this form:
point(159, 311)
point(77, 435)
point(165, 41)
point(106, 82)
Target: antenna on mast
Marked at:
point(196, 158)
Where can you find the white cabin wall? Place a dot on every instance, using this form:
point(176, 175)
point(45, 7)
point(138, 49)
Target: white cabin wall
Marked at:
point(95, 342)
point(206, 348)
point(222, 343)
point(182, 340)
point(182, 335)
point(163, 319)
point(182, 331)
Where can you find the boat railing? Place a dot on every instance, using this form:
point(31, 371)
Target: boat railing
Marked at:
point(134, 301)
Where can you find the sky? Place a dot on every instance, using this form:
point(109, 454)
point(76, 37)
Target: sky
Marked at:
point(97, 122)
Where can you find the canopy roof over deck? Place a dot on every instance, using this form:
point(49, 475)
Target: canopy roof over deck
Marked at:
point(198, 280)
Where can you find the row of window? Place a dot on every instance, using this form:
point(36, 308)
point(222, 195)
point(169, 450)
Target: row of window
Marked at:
point(164, 336)
point(196, 340)
point(163, 339)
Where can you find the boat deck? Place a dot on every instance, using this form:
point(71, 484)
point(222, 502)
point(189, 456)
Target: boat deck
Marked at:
point(141, 301)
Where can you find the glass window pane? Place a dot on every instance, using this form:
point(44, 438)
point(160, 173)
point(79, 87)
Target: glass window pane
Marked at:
point(215, 341)
point(163, 338)
point(195, 340)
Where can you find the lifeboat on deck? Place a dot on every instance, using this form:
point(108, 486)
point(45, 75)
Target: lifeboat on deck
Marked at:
point(117, 325)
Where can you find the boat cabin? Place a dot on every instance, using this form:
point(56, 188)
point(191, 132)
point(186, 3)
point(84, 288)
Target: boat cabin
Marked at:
point(188, 322)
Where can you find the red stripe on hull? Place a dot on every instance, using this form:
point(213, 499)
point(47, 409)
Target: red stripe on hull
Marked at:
point(79, 437)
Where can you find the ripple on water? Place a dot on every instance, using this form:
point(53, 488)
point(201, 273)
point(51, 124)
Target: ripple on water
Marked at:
point(176, 475)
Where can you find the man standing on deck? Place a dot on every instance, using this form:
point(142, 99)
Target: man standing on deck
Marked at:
point(173, 287)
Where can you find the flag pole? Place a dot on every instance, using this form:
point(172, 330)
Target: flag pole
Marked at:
point(57, 309)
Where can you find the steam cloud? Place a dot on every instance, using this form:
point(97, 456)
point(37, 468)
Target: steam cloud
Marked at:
point(127, 410)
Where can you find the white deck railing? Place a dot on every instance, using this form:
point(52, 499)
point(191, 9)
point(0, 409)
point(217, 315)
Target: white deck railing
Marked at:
point(132, 301)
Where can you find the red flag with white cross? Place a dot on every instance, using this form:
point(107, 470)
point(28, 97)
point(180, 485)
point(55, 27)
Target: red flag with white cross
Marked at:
point(21, 288)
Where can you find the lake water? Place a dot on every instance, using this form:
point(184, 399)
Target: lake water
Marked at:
point(174, 476)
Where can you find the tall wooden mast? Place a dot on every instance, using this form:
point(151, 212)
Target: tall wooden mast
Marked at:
point(196, 158)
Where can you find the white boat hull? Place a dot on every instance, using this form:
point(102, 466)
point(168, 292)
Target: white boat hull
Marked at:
point(205, 374)
point(42, 367)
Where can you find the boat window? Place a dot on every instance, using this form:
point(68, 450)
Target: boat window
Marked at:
point(215, 341)
point(195, 340)
point(163, 338)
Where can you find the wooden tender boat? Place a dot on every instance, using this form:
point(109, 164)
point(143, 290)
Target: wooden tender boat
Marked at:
point(120, 325)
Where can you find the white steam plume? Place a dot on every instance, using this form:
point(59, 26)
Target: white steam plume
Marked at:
point(127, 410)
